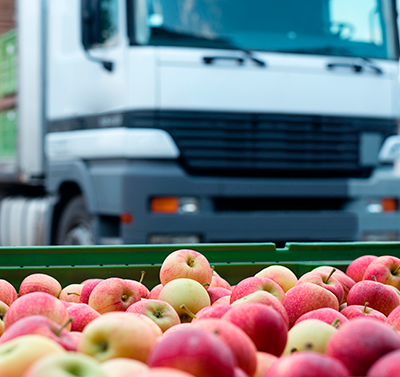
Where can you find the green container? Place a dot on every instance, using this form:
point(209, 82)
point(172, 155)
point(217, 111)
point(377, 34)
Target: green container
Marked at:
point(8, 134)
point(8, 63)
point(233, 262)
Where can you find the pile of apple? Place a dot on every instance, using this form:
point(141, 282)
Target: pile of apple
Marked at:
point(327, 323)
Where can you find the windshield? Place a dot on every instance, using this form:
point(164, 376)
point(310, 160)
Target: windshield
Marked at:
point(364, 28)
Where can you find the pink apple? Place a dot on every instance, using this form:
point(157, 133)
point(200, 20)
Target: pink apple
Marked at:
point(279, 274)
point(82, 314)
point(181, 326)
point(239, 372)
point(253, 284)
point(39, 303)
point(385, 270)
point(8, 294)
point(164, 372)
point(264, 325)
point(118, 334)
point(39, 325)
point(357, 268)
point(326, 315)
point(386, 366)
point(379, 296)
point(87, 289)
point(216, 311)
point(40, 283)
point(393, 318)
point(76, 336)
point(71, 293)
point(359, 311)
point(264, 363)
point(153, 295)
point(326, 281)
point(122, 367)
point(226, 300)
point(160, 312)
point(310, 364)
point(236, 339)
point(304, 298)
point(188, 264)
point(112, 295)
point(218, 281)
point(141, 288)
point(217, 292)
point(361, 342)
point(265, 298)
point(196, 352)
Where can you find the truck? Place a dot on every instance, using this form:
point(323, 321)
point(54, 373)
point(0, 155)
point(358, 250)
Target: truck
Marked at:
point(188, 121)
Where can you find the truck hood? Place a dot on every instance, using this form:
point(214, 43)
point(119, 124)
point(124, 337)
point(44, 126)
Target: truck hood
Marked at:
point(289, 83)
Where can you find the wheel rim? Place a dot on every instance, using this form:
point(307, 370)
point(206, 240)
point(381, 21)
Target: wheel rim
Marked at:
point(80, 234)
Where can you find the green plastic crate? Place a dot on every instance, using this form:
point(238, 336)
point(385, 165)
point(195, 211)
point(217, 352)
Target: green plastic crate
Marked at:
point(8, 63)
point(233, 262)
point(8, 132)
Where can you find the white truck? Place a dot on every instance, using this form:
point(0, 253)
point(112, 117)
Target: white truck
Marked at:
point(184, 121)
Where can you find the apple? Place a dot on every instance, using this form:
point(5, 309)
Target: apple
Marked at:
point(3, 311)
point(393, 318)
point(218, 281)
point(264, 363)
point(216, 311)
point(118, 334)
point(143, 291)
point(8, 294)
point(17, 355)
point(153, 295)
point(113, 295)
point(236, 339)
point(265, 298)
point(186, 292)
point(76, 336)
point(163, 372)
point(279, 274)
point(71, 293)
point(386, 366)
point(356, 311)
point(160, 312)
point(238, 372)
point(37, 303)
point(226, 300)
point(40, 325)
point(171, 330)
point(156, 329)
point(310, 364)
point(379, 296)
point(304, 298)
point(264, 325)
point(385, 270)
point(326, 315)
point(65, 364)
point(82, 314)
point(188, 264)
point(87, 289)
point(253, 284)
point(309, 335)
point(217, 292)
point(194, 351)
point(357, 267)
point(361, 342)
point(40, 283)
point(122, 367)
point(326, 281)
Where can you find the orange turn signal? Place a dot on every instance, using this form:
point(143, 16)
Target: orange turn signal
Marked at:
point(126, 218)
point(390, 204)
point(164, 204)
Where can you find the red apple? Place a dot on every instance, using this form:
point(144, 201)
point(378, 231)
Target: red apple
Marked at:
point(87, 289)
point(196, 352)
point(357, 268)
point(40, 283)
point(304, 298)
point(8, 294)
point(326, 315)
point(39, 303)
point(386, 366)
point(76, 336)
point(280, 274)
point(82, 314)
point(187, 264)
point(236, 339)
point(112, 295)
point(361, 342)
point(385, 270)
point(379, 296)
point(226, 300)
point(72, 293)
point(393, 318)
point(171, 330)
point(264, 363)
point(357, 311)
point(141, 288)
point(238, 372)
point(39, 325)
point(153, 295)
point(218, 281)
point(254, 284)
point(264, 325)
point(216, 311)
point(310, 364)
point(163, 372)
point(217, 292)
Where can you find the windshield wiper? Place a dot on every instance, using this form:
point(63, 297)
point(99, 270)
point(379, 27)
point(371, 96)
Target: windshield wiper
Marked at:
point(211, 59)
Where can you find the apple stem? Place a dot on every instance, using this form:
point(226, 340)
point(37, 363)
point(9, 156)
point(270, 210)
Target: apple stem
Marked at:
point(205, 284)
point(73, 293)
point(124, 297)
point(142, 276)
point(293, 350)
point(187, 311)
point(191, 263)
point(365, 307)
point(308, 346)
point(396, 270)
point(330, 275)
point(336, 323)
point(373, 277)
point(66, 323)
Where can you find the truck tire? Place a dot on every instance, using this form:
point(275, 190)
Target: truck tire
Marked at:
point(74, 225)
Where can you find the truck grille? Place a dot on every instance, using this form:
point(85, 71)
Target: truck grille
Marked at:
point(271, 145)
